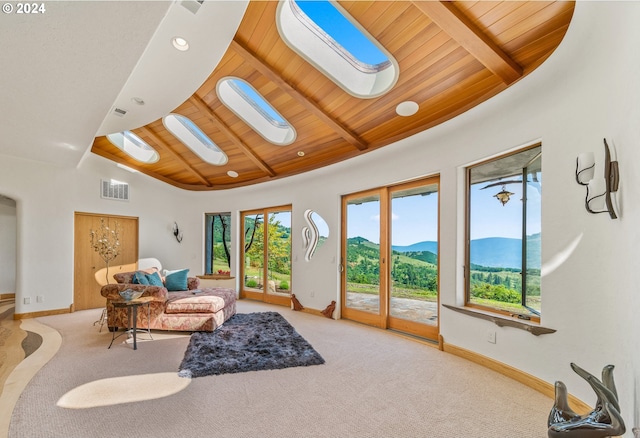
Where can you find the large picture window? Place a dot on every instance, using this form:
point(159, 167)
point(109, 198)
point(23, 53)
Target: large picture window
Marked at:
point(503, 234)
point(217, 243)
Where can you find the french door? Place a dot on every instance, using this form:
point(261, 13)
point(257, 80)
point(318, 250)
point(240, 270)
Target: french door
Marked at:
point(266, 255)
point(390, 257)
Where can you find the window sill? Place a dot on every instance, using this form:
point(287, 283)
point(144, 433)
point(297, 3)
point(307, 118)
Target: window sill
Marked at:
point(215, 277)
point(503, 321)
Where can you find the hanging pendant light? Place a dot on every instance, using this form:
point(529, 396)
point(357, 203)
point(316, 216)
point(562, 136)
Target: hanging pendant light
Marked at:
point(503, 195)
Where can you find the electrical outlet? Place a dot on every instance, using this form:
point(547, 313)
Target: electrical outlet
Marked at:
point(491, 336)
point(27, 300)
point(312, 293)
point(40, 299)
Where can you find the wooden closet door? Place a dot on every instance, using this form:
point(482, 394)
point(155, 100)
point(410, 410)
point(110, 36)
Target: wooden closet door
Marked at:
point(90, 272)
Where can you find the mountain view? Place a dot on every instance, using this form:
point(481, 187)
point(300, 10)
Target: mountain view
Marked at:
point(492, 252)
point(494, 275)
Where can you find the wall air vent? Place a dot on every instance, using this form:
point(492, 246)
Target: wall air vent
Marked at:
point(119, 112)
point(192, 5)
point(112, 189)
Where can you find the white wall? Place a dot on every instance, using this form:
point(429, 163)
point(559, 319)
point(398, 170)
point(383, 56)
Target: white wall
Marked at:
point(586, 91)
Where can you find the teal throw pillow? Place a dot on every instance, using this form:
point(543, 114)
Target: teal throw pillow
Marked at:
point(140, 278)
point(154, 279)
point(176, 280)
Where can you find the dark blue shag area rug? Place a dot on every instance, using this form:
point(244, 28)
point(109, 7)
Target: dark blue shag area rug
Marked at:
point(247, 342)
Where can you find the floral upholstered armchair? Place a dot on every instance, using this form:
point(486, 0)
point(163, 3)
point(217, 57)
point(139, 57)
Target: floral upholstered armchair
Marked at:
point(117, 317)
point(178, 302)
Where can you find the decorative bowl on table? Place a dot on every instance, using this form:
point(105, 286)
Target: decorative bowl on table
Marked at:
point(130, 294)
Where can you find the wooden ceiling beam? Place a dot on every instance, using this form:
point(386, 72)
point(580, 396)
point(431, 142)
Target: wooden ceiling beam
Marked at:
point(309, 105)
point(138, 168)
point(204, 108)
point(459, 27)
point(165, 147)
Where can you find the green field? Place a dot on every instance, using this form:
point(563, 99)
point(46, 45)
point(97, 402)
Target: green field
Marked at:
point(414, 276)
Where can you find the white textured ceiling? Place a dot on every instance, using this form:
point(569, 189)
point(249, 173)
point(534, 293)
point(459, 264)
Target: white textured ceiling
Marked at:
point(63, 71)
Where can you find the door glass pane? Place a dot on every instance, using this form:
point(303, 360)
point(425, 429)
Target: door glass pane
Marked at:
point(533, 174)
point(363, 254)
point(253, 252)
point(414, 260)
point(279, 253)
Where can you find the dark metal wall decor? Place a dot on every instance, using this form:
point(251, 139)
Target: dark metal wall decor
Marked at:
point(599, 190)
point(603, 421)
point(176, 232)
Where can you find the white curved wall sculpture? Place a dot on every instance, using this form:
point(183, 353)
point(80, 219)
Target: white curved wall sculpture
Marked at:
point(309, 235)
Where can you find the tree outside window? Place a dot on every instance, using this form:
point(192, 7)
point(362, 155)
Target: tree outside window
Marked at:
point(270, 244)
point(218, 243)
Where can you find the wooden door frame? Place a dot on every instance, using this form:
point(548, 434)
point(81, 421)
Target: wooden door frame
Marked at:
point(384, 320)
point(407, 326)
point(263, 296)
point(377, 320)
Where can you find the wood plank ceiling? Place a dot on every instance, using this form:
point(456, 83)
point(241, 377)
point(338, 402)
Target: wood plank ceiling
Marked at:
point(452, 56)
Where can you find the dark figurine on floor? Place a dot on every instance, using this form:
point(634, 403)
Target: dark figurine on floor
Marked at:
point(328, 312)
point(604, 421)
point(296, 303)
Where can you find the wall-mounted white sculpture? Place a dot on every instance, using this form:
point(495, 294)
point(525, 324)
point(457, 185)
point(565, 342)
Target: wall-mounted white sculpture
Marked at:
point(600, 196)
point(314, 234)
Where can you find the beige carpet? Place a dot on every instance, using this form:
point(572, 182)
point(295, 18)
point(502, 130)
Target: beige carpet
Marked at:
point(373, 384)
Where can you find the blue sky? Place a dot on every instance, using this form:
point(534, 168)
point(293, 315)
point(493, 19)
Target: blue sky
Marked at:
point(327, 17)
point(414, 217)
point(491, 219)
point(258, 99)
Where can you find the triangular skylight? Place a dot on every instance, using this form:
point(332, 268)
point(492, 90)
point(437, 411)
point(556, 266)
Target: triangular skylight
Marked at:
point(134, 146)
point(192, 137)
point(241, 98)
point(329, 38)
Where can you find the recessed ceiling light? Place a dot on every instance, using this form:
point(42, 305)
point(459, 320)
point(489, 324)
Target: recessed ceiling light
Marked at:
point(232, 173)
point(137, 100)
point(301, 153)
point(180, 44)
point(407, 108)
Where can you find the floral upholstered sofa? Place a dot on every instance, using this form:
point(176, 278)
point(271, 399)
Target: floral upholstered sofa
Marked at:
point(190, 309)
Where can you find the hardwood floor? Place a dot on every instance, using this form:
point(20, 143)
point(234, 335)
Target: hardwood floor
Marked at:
point(11, 354)
point(11, 337)
point(19, 339)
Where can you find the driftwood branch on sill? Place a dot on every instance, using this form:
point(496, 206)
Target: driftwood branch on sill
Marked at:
point(503, 321)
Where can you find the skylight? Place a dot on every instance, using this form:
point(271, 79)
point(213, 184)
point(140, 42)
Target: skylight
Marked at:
point(241, 98)
point(329, 38)
point(134, 146)
point(192, 137)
